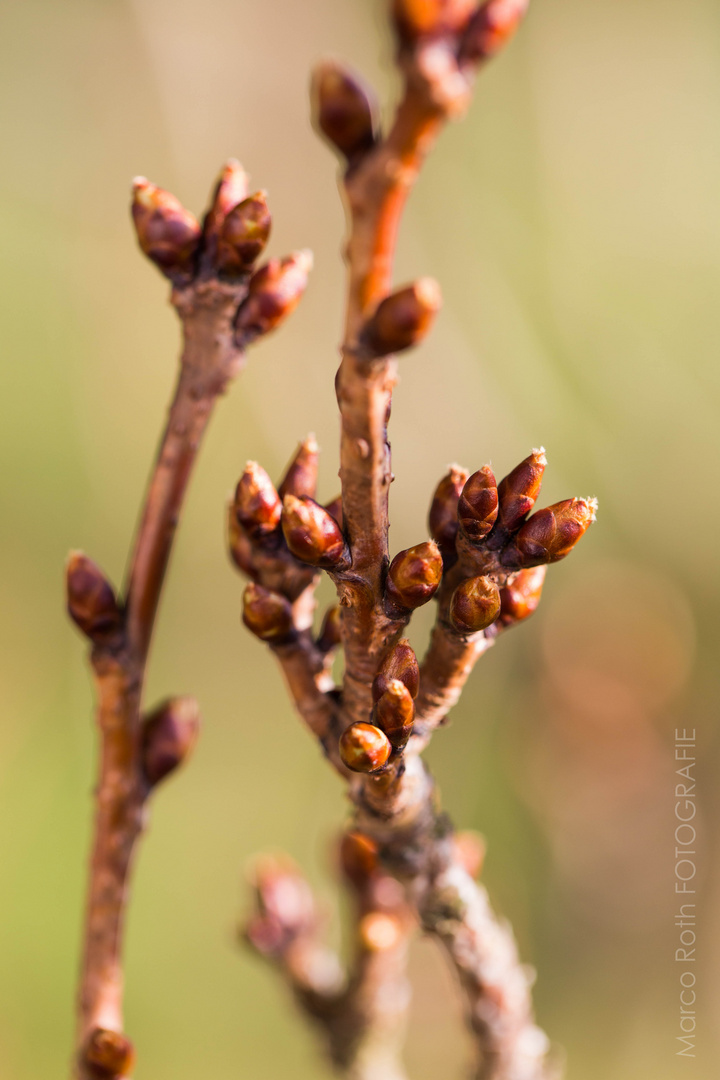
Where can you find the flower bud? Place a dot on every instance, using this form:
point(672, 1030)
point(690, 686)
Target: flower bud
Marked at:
point(395, 713)
point(551, 534)
point(414, 575)
point(230, 189)
point(478, 505)
point(379, 931)
point(335, 509)
point(403, 318)
point(267, 614)
point(167, 233)
point(420, 18)
point(474, 605)
point(358, 857)
point(244, 234)
point(240, 545)
point(169, 734)
point(344, 109)
point(400, 663)
point(519, 600)
point(519, 490)
point(110, 1054)
point(91, 601)
point(330, 636)
point(443, 517)
point(286, 906)
point(257, 505)
point(274, 292)
point(364, 748)
point(490, 28)
point(312, 534)
point(302, 472)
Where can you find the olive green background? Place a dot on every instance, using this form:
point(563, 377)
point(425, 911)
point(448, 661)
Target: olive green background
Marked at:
point(572, 221)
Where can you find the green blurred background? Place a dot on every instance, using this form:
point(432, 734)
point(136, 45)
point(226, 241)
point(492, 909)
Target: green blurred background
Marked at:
point(572, 220)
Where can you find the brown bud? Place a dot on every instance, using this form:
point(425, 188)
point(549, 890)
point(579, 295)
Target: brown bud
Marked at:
point(312, 534)
point(230, 189)
point(91, 601)
point(358, 857)
point(267, 614)
point(257, 505)
point(110, 1054)
point(520, 599)
point(301, 475)
point(400, 663)
point(244, 234)
point(330, 636)
point(421, 18)
point(240, 545)
point(395, 712)
point(379, 931)
point(443, 517)
point(414, 575)
point(478, 505)
point(519, 490)
point(334, 509)
point(167, 233)
point(274, 292)
point(364, 748)
point(551, 534)
point(474, 605)
point(490, 28)
point(344, 109)
point(469, 850)
point(169, 734)
point(403, 318)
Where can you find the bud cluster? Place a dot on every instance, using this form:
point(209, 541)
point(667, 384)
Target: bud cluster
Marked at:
point(367, 748)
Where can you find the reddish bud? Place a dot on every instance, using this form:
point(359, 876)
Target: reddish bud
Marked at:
point(519, 490)
point(335, 509)
point(395, 713)
point(474, 605)
point(364, 748)
point(344, 109)
point(110, 1054)
point(257, 505)
point(286, 907)
point(267, 614)
point(312, 534)
point(403, 318)
point(379, 931)
point(551, 534)
point(274, 292)
point(169, 734)
point(443, 517)
point(230, 189)
point(414, 575)
point(244, 234)
point(330, 635)
point(478, 505)
point(400, 663)
point(422, 18)
point(520, 599)
point(91, 601)
point(302, 472)
point(358, 857)
point(167, 233)
point(240, 545)
point(490, 28)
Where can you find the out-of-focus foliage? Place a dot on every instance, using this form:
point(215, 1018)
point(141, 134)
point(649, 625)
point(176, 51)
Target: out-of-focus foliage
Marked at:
point(572, 220)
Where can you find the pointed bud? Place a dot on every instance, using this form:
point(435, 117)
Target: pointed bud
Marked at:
point(91, 601)
point(239, 545)
point(257, 505)
point(400, 663)
point(244, 234)
point(358, 857)
point(267, 614)
point(230, 189)
point(312, 534)
point(443, 517)
point(490, 28)
point(474, 605)
point(167, 233)
point(478, 505)
point(379, 932)
point(335, 510)
point(395, 713)
point(364, 748)
point(274, 292)
point(344, 109)
point(414, 575)
point(551, 534)
point(330, 635)
point(469, 848)
point(422, 18)
point(403, 318)
point(109, 1054)
point(519, 490)
point(520, 599)
point(302, 472)
point(169, 734)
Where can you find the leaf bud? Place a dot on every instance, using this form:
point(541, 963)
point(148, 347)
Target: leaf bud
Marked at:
point(231, 188)
point(364, 748)
point(395, 713)
point(330, 636)
point(302, 472)
point(443, 516)
point(358, 857)
point(403, 318)
point(167, 233)
point(551, 533)
point(414, 575)
point(379, 931)
point(244, 234)
point(520, 599)
point(474, 605)
point(478, 505)
point(169, 734)
point(91, 601)
point(400, 663)
point(274, 291)
point(267, 614)
point(257, 504)
point(312, 534)
point(490, 28)
point(518, 491)
point(344, 109)
point(109, 1054)
point(420, 18)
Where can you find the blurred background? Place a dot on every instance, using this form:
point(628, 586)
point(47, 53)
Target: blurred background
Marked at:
point(572, 221)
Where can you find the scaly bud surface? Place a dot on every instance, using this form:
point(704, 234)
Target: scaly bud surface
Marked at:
point(364, 748)
point(257, 505)
point(403, 318)
point(274, 292)
point(302, 472)
point(518, 491)
point(395, 713)
point(109, 1054)
point(267, 614)
point(400, 663)
point(91, 601)
point(169, 734)
point(414, 575)
point(551, 534)
point(312, 534)
point(244, 234)
point(422, 18)
point(358, 857)
point(167, 233)
point(330, 635)
point(344, 110)
point(490, 28)
point(443, 516)
point(478, 505)
point(230, 189)
point(474, 605)
point(520, 599)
